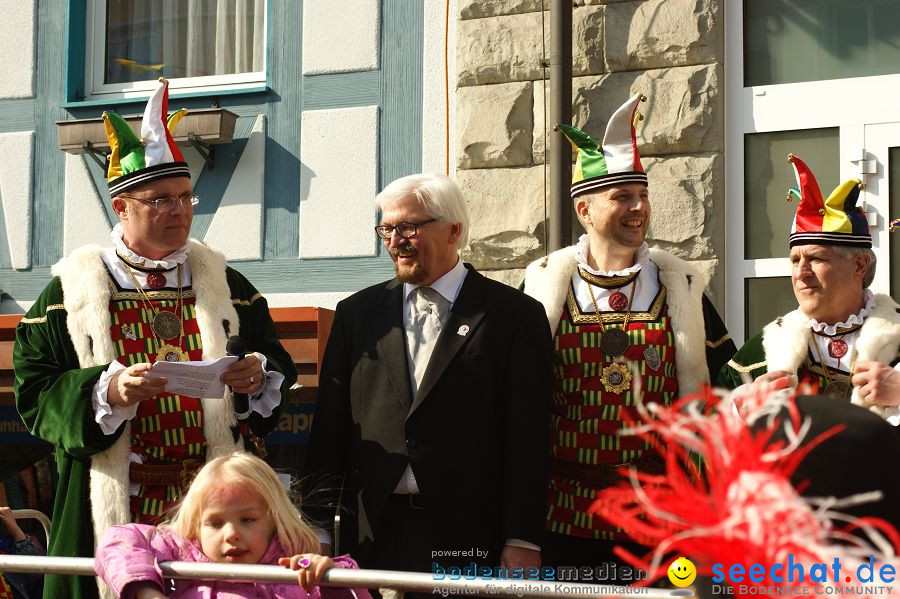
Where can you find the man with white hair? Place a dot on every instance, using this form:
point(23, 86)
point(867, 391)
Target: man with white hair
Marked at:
point(842, 338)
point(433, 401)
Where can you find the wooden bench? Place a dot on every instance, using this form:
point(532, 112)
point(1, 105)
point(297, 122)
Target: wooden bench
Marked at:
point(8, 324)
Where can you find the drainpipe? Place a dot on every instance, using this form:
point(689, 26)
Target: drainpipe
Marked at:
point(560, 152)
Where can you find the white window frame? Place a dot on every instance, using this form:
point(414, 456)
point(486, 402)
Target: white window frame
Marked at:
point(95, 58)
point(847, 104)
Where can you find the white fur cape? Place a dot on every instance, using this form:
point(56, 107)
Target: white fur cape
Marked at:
point(786, 340)
point(86, 292)
point(548, 280)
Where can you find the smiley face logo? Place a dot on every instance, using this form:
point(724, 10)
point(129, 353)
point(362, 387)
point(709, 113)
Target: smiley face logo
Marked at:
point(682, 572)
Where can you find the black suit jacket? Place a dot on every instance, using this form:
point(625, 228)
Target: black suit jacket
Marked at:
point(475, 434)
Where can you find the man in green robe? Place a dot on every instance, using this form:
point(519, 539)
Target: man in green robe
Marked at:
point(842, 340)
point(125, 446)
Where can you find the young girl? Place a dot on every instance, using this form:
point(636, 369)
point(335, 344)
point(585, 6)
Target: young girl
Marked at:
point(235, 512)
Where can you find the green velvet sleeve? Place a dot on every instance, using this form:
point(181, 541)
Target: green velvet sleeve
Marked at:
point(53, 393)
point(748, 363)
point(719, 345)
point(258, 332)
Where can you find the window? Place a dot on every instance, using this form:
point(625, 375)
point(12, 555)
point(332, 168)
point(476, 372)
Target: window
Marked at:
point(767, 177)
point(787, 41)
point(894, 199)
point(199, 45)
point(816, 78)
point(766, 299)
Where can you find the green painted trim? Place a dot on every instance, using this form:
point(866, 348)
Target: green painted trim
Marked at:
point(278, 276)
point(342, 90)
point(269, 13)
point(114, 101)
point(16, 115)
point(73, 65)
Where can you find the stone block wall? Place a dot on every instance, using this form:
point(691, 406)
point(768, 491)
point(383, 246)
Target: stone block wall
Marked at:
point(670, 50)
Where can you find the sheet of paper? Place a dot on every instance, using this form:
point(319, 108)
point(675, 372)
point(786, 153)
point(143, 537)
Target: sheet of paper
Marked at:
point(194, 379)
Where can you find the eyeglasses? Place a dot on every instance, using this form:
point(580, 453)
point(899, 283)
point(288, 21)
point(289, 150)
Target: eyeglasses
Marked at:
point(166, 203)
point(404, 230)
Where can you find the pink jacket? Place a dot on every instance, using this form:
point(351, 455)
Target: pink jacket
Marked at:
point(130, 553)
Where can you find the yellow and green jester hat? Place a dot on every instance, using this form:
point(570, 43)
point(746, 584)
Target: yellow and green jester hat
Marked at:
point(617, 161)
point(132, 161)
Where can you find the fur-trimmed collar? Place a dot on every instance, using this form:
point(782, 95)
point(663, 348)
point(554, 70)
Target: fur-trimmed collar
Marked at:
point(86, 293)
point(548, 279)
point(785, 341)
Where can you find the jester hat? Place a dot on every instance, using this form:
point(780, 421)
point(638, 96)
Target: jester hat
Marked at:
point(132, 161)
point(615, 162)
point(833, 221)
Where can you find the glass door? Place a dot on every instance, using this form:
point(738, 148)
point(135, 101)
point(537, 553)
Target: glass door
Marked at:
point(882, 195)
point(816, 78)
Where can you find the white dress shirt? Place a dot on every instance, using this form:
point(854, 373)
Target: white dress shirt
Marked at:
point(448, 287)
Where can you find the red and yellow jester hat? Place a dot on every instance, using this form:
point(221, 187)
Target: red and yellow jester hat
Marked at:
point(833, 221)
point(134, 161)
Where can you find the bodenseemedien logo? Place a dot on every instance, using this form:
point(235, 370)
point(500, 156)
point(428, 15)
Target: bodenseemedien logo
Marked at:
point(682, 573)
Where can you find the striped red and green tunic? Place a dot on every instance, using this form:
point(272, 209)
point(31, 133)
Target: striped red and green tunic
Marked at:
point(169, 428)
point(585, 417)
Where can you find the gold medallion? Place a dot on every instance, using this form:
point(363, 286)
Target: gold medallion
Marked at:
point(616, 378)
point(170, 353)
point(165, 325)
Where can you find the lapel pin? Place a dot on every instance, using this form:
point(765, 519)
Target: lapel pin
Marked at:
point(463, 330)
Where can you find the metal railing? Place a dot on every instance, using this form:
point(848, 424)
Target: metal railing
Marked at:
point(35, 515)
point(390, 580)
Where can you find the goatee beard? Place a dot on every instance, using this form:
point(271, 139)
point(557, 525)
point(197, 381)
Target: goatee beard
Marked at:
point(415, 275)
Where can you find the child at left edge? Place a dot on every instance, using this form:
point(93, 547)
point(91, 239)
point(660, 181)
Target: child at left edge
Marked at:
point(235, 512)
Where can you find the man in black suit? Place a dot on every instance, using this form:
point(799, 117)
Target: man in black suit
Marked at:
point(433, 401)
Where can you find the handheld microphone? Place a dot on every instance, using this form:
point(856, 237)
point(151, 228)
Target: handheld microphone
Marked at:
point(236, 347)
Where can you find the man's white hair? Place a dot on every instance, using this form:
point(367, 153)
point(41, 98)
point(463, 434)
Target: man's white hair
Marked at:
point(849, 252)
point(439, 195)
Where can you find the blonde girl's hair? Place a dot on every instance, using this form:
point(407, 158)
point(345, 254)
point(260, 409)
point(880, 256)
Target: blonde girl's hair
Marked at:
point(244, 469)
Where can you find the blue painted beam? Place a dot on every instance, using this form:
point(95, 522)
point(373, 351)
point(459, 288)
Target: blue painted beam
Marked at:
point(49, 162)
point(282, 198)
point(16, 115)
point(401, 116)
point(342, 90)
point(272, 276)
